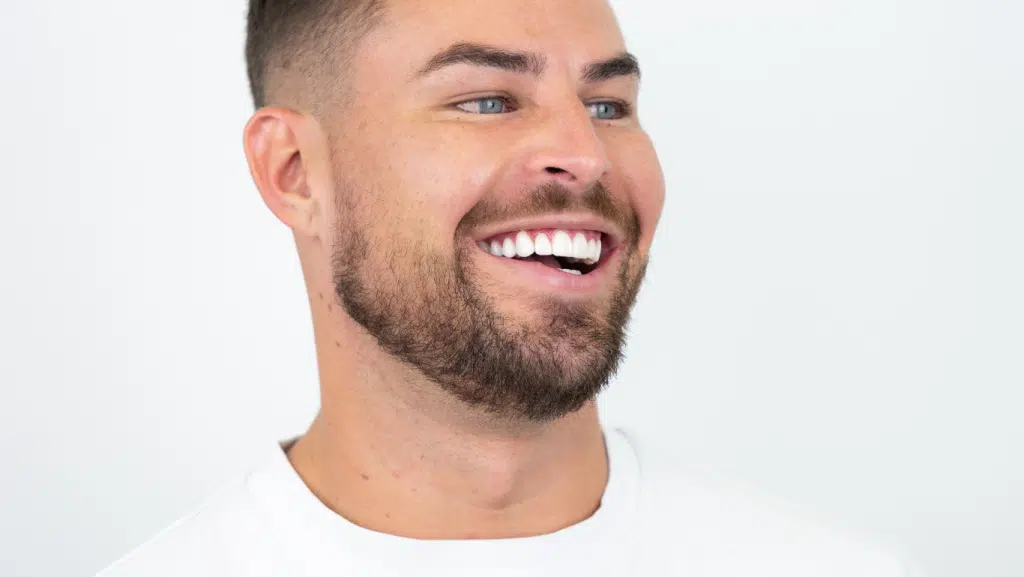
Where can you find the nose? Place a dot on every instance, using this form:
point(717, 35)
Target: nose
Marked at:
point(567, 149)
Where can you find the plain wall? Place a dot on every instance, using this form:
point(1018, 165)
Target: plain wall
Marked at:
point(833, 309)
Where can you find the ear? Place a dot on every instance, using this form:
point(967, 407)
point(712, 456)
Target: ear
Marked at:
point(281, 156)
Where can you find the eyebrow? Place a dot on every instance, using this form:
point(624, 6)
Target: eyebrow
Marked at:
point(489, 56)
point(624, 64)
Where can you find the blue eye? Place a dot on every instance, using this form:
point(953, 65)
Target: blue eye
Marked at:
point(489, 105)
point(608, 110)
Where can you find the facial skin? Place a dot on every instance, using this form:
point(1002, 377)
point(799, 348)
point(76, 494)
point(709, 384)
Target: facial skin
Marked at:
point(460, 382)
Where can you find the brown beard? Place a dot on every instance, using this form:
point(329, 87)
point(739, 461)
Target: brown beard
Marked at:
point(430, 312)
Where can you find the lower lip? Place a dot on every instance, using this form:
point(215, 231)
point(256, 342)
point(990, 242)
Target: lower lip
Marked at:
point(541, 275)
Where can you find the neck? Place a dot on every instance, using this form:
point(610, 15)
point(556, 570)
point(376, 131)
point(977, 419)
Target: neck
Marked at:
point(397, 455)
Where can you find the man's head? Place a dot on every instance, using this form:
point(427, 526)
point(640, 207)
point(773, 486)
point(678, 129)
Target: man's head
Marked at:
point(430, 135)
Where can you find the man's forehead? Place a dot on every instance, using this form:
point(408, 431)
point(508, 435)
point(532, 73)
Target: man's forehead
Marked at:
point(579, 31)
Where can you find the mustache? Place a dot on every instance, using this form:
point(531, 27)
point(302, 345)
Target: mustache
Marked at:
point(555, 198)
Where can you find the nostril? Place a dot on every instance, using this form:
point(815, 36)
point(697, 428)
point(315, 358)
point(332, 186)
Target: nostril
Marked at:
point(556, 170)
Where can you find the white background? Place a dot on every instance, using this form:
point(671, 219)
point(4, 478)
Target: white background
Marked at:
point(834, 309)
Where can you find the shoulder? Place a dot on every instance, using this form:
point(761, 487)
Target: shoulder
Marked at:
point(226, 536)
point(718, 526)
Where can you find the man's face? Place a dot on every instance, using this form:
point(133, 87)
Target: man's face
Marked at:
point(521, 139)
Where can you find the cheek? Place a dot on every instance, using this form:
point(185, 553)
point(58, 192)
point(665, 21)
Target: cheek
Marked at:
point(641, 176)
point(426, 183)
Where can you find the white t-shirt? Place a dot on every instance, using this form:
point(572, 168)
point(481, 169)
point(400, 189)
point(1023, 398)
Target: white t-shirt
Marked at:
point(657, 518)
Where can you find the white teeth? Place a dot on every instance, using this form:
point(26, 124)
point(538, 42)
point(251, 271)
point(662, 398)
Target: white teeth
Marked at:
point(570, 271)
point(594, 249)
point(561, 244)
point(580, 248)
point(524, 246)
point(542, 246)
point(508, 249)
point(572, 246)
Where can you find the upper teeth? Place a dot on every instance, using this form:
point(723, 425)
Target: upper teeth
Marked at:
point(569, 244)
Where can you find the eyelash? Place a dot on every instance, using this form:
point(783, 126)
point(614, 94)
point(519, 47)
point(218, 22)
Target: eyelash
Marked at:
point(625, 109)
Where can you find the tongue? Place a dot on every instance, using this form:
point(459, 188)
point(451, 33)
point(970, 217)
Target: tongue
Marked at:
point(545, 260)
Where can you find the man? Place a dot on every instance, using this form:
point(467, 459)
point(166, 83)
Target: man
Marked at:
point(473, 202)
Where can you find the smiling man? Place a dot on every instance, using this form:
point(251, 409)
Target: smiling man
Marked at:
point(473, 200)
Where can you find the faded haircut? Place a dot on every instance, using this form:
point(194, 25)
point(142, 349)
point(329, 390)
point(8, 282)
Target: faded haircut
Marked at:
point(296, 50)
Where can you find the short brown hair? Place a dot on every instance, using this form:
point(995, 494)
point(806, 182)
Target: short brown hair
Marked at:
point(295, 49)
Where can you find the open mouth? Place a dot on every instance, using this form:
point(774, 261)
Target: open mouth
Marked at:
point(574, 252)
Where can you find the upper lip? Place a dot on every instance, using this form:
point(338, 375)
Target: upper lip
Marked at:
point(556, 221)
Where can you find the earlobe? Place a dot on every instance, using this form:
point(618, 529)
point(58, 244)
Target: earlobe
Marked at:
point(278, 161)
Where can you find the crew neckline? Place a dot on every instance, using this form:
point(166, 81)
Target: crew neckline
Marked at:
point(317, 535)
